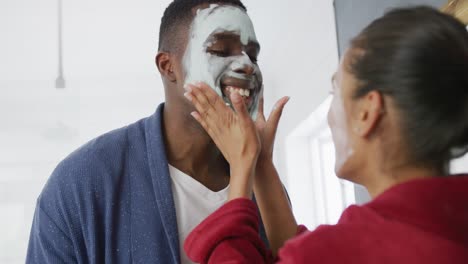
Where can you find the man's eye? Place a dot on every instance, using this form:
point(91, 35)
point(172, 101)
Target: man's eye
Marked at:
point(219, 53)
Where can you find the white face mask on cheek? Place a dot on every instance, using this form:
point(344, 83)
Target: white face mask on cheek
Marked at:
point(340, 133)
point(201, 66)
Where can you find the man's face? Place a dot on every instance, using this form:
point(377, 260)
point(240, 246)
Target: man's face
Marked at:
point(222, 51)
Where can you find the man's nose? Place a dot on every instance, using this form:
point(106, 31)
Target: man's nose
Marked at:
point(244, 65)
point(246, 69)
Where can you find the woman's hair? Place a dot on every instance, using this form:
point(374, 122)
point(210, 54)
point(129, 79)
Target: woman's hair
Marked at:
point(419, 57)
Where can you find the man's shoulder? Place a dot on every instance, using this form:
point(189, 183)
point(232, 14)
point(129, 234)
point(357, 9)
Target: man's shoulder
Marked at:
point(98, 161)
point(105, 150)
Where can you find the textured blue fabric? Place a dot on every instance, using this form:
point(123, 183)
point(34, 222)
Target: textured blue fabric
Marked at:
point(110, 201)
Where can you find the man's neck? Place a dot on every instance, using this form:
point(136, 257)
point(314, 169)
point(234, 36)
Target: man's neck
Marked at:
point(192, 151)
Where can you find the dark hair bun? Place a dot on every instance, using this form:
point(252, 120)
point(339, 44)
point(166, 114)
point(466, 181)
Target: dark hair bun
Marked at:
point(419, 57)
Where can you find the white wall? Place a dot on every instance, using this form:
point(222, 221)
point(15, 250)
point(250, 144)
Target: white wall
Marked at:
point(109, 49)
point(299, 56)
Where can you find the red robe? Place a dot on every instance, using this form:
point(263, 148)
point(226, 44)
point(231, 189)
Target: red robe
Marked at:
point(421, 221)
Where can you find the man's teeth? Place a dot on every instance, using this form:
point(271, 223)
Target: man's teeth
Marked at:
point(242, 92)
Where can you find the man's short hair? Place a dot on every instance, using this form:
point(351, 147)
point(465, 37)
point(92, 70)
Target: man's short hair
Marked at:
point(179, 13)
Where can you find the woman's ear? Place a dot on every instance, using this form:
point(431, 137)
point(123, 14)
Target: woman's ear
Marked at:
point(165, 66)
point(371, 109)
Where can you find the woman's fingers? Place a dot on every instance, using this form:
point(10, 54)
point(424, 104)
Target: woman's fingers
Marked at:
point(261, 114)
point(275, 116)
point(209, 105)
point(212, 97)
point(199, 100)
point(239, 106)
point(261, 105)
point(232, 131)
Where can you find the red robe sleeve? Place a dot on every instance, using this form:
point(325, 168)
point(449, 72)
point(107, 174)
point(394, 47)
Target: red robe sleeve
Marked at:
point(230, 235)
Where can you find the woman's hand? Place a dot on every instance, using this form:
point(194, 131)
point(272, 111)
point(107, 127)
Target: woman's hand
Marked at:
point(242, 141)
point(234, 133)
point(267, 129)
point(272, 199)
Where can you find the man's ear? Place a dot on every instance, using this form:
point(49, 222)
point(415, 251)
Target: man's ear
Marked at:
point(165, 66)
point(371, 109)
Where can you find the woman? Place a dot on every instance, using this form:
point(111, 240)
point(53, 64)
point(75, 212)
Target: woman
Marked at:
point(399, 115)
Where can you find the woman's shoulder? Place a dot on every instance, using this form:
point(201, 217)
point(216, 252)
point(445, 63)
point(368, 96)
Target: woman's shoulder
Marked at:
point(357, 233)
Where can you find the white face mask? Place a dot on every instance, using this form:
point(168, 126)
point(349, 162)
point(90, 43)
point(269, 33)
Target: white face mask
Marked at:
point(221, 70)
point(337, 120)
point(339, 129)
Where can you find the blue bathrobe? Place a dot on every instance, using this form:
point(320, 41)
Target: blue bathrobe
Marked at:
point(110, 201)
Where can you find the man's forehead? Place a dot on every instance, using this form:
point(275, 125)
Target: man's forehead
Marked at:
point(200, 7)
point(214, 18)
point(215, 11)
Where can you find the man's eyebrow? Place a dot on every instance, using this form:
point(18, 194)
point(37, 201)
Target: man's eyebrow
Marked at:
point(232, 36)
point(224, 36)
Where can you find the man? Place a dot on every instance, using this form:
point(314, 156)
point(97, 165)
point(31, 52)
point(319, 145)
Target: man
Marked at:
point(134, 194)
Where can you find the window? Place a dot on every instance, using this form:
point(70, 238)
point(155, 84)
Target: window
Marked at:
point(317, 194)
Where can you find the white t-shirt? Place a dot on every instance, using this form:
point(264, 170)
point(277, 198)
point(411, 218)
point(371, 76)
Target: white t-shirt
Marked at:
point(193, 203)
